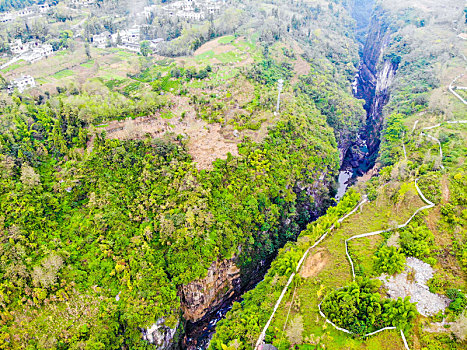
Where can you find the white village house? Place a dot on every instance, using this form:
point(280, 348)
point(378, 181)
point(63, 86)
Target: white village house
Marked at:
point(23, 83)
point(44, 8)
point(131, 35)
point(82, 3)
point(27, 11)
point(195, 10)
point(31, 51)
point(38, 53)
point(101, 40)
point(7, 17)
point(17, 47)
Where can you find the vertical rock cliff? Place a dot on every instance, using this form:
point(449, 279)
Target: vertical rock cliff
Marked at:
point(375, 77)
point(205, 295)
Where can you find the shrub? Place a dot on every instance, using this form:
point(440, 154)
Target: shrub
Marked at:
point(389, 260)
point(459, 300)
point(437, 283)
point(417, 241)
point(360, 309)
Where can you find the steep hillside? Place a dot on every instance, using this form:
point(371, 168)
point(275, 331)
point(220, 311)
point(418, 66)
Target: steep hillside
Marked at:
point(349, 281)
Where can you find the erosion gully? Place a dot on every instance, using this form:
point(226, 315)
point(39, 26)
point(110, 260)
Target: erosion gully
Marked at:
point(357, 161)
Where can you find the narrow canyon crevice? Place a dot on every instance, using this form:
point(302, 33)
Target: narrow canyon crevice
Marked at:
point(374, 80)
point(372, 84)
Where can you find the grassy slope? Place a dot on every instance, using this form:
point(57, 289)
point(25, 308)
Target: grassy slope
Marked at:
point(302, 299)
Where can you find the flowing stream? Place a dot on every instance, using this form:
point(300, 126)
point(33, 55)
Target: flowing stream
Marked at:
point(199, 334)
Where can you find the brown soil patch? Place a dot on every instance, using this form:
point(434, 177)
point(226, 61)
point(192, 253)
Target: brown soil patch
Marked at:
point(215, 46)
point(206, 142)
point(393, 241)
point(445, 189)
point(432, 219)
point(301, 67)
point(314, 263)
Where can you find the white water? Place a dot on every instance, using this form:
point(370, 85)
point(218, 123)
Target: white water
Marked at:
point(343, 181)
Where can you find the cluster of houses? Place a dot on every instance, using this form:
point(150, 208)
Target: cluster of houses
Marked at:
point(35, 10)
point(22, 83)
point(129, 39)
point(31, 51)
point(194, 10)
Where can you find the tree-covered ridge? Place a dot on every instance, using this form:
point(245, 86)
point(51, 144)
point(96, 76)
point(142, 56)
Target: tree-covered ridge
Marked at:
point(99, 234)
point(6, 5)
point(413, 26)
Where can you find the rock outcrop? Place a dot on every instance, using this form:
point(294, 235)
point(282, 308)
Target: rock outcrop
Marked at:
point(202, 296)
point(161, 335)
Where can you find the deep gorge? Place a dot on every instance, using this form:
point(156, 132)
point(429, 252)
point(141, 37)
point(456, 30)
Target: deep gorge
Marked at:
point(372, 85)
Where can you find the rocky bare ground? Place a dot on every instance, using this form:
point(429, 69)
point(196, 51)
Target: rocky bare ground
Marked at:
point(413, 283)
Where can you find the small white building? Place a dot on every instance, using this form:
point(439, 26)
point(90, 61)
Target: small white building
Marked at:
point(23, 83)
point(82, 3)
point(192, 15)
point(44, 8)
point(38, 53)
point(27, 11)
point(101, 40)
point(196, 10)
point(188, 5)
point(213, 9)
point(131, 35)
point(7, 17)
point(17, 47)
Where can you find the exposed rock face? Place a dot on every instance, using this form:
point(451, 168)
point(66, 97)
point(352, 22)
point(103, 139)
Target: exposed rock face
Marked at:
point(375, 78)
point(224, 279)
point(202, 296)
point(161, 335)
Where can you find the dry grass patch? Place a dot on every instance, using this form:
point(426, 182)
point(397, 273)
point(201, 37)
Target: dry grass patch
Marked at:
point(314, 263)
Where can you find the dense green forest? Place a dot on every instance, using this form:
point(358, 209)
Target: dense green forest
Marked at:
point(136, 218)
